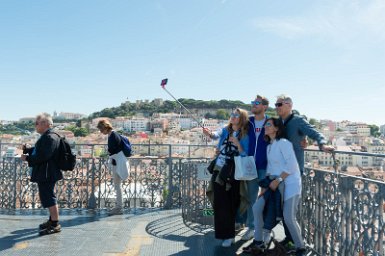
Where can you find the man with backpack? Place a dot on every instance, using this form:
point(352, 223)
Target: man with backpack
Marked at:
point(45, 170)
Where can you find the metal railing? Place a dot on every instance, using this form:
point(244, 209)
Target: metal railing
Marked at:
point(153, 182)
point(340, 214)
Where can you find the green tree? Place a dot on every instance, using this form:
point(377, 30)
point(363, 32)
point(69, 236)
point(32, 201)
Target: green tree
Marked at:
point(222, 114)
point(374, 130)
point(81, 132)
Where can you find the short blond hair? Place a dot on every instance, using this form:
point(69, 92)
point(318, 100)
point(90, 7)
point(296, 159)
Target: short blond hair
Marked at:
point(104, 124)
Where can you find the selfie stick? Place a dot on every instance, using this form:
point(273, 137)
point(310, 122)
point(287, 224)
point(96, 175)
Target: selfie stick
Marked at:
point(163, 85)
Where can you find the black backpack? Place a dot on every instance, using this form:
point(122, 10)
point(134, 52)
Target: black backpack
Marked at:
point(126, 146)
point(66, 160)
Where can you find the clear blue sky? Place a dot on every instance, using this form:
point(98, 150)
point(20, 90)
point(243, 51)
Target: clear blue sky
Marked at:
point(83, 56)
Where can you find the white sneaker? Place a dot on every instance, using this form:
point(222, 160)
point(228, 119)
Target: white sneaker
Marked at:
point(227, 242)
point(238, 227)
point(248, 235)
point(115, 211)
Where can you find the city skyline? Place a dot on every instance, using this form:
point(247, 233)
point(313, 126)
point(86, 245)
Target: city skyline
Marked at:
point(85, 56)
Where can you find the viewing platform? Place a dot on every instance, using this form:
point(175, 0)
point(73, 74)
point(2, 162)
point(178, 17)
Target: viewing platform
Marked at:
point(167, 212)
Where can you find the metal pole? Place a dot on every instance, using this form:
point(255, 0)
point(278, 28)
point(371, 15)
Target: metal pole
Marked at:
point(188, 111)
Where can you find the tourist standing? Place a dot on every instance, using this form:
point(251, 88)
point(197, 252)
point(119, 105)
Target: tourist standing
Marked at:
point(45, 171)
point(233, 141)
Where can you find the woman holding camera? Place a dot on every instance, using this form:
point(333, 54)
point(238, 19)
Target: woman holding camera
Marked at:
point(233, 141)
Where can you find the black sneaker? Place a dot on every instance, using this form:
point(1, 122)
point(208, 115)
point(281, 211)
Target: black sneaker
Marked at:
point(288, 245)
point(50, 230)
point(255, 245)
point(285, 241)
point(300, 252)
point(45, 225)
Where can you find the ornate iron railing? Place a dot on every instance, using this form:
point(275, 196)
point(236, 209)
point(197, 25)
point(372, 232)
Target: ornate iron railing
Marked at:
point(340, 214)
point(153, 182)
point(343, 214)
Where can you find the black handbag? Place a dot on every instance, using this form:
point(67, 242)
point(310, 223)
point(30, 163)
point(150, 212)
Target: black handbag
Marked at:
point(228, 170)
point(211, 166)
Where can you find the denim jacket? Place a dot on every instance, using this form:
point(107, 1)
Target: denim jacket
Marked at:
point(244, 141)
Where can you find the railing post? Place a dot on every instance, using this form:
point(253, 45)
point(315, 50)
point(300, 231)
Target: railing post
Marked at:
point(92, 199)
point(168, 203)
point(14, 184)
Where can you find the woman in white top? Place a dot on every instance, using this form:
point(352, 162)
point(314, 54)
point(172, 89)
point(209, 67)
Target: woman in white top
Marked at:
point(282, 166)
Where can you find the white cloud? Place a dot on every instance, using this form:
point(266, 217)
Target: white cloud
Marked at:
point(341, 22)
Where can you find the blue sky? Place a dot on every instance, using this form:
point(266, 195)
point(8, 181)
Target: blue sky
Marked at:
point(83, 56)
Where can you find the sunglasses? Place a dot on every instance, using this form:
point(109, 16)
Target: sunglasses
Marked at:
point(256, 103)
point(268, 124)
point(279, 104)
point(234, 115)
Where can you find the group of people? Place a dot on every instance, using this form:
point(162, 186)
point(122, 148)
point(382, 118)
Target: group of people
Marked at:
point(43, 157)
point(277, 145)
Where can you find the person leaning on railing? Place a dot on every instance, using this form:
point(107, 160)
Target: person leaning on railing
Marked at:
point(233, 140)
point(296, 130)
point(114, 147)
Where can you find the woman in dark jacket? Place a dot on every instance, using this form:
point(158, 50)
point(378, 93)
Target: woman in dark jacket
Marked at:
point(114, 147)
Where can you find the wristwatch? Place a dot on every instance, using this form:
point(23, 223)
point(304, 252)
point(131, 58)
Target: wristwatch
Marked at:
point(279, 179)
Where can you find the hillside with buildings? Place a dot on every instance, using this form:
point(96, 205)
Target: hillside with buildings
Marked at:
point(170, 125)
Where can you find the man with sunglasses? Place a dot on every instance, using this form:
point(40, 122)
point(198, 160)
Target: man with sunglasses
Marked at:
point(257, 148)
point(45, 171)
point(296, 129)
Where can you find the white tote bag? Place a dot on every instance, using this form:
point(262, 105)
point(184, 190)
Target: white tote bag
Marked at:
point(245, 168)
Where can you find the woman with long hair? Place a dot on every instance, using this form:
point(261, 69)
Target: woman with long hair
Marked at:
point(233, 141)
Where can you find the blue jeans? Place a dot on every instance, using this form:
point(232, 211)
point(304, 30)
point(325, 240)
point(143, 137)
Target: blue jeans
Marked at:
point(252, 192)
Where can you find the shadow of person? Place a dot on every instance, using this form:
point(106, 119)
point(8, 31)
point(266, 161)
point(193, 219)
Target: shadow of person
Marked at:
point(19, 237)
point(195, 243)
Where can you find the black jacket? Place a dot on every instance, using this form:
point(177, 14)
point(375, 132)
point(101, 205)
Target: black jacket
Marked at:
point(114, 143)
point(43, 158)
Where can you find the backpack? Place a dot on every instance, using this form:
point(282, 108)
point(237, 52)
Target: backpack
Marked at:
point(126, 146)
point(66, 160)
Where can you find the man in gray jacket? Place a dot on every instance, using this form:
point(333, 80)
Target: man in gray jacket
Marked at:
point(296, 129)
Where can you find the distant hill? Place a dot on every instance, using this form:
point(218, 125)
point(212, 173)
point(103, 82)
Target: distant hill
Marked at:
point(148, 108)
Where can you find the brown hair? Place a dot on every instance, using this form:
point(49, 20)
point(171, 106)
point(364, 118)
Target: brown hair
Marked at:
point(104, 124)
point(243, 122)
point(265, 101)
